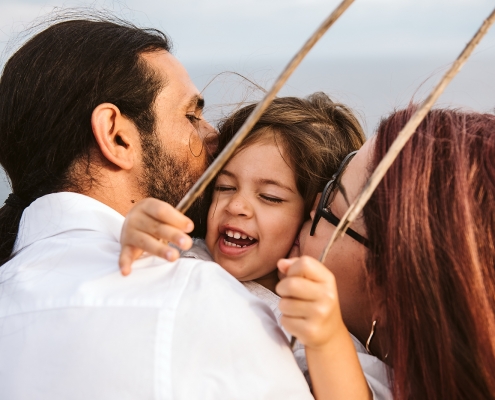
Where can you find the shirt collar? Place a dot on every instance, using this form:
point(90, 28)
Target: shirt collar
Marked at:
point(56, 213)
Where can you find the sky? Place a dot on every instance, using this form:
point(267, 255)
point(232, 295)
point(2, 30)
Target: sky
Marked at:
point(379, 55)
point(259, 29)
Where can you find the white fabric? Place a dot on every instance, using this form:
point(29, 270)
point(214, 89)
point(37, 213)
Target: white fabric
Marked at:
point(375, 370)
point(272, 300)
point(71, 327)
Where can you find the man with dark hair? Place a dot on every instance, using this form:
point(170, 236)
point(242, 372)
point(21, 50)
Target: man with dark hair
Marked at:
point(94, 116)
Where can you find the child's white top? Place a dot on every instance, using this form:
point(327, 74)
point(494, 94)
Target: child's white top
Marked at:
point(375, 370)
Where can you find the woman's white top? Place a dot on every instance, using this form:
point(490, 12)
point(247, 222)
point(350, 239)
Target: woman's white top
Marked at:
point(72, 327)
point(375, 370)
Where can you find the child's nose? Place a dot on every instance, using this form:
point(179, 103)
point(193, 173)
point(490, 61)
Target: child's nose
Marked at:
point(239, 205)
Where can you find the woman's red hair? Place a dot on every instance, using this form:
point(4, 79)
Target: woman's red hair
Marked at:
point(431, 223)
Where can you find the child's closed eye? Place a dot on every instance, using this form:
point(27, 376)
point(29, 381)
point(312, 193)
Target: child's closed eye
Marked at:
point(223, 188)
point(271, 199)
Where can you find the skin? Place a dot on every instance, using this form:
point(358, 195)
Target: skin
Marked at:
point(256, 195)
point(346, 259)
point(180, 128)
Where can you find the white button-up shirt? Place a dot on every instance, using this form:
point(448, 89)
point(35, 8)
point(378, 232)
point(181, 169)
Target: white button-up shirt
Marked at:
point(71, 327)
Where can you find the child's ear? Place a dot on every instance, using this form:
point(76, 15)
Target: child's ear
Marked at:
point(116, 135)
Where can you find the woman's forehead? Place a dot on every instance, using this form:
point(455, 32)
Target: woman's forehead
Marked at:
point(357, 172)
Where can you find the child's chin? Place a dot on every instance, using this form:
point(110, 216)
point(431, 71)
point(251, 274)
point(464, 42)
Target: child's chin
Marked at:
point(237, 271)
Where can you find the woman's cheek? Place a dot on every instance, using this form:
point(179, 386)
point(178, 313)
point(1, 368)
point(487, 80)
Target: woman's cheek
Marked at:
point(313, 245)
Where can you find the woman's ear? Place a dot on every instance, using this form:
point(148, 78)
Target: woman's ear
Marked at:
point(117, 136)
point(381, 345)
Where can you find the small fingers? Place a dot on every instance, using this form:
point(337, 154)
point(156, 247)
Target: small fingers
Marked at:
point(143, 242)
point(316, 311)
point(166, 214)
point(155, 246)
point(295, 308)
point(308, 268)
point(127, 256)
point(297, 287)
point(299, 327)
point(159, 230)
point(284, 264)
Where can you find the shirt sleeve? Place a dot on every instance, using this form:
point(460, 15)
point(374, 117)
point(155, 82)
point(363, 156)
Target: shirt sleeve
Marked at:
point(376, 374)
point(227, 344)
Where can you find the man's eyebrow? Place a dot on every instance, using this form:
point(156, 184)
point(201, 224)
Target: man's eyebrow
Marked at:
point(197, 102)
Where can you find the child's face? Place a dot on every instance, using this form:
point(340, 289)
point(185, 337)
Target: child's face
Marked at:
point(256, 212)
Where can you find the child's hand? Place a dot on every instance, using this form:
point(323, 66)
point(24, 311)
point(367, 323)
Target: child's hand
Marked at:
point(149, 226)
point(310, 303)
point(311, 312)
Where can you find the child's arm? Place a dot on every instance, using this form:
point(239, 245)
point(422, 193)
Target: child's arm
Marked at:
point(149, 226)
point(311, 312)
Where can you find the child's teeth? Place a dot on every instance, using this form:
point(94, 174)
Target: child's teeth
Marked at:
point(232, 244)
point(236, 235)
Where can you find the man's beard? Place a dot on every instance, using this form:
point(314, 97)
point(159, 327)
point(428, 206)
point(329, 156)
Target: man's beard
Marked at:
point(168, 179)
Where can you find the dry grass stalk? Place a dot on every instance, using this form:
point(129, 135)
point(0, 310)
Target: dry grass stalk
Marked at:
point(404, 135)
point(224, 156)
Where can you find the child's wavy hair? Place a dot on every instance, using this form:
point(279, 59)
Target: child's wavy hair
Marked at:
point(315, 134)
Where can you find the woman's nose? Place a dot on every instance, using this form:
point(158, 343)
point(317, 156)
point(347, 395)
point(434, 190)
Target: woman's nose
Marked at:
point(240, 206)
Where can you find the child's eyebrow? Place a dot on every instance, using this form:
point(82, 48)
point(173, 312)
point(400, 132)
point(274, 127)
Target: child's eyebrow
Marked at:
point(262, 181)
point(227, 173)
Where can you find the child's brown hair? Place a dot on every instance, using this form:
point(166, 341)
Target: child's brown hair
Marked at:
point(315, 132)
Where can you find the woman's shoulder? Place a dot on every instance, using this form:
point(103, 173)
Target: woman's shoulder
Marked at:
point(376, 372)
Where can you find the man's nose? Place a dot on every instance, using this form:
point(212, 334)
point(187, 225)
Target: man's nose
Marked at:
point(240, 206)
point(209, 136)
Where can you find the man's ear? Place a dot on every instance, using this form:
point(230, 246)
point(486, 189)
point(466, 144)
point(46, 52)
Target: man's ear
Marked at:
point(117, 136)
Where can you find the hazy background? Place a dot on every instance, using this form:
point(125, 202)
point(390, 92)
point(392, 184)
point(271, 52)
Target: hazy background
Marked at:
point(378, 56)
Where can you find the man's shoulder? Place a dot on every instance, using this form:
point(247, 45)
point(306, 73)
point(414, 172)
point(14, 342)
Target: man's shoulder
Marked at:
point(66, 276)
point(196, 275)
point(196, 281)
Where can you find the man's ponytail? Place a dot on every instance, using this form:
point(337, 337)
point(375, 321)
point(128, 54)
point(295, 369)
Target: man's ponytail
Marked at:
point(10, 217)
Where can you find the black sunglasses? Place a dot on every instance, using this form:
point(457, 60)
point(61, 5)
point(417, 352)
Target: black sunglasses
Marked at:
point(328, 196)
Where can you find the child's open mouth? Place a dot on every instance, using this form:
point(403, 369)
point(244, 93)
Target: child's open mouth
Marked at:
point(237, 239)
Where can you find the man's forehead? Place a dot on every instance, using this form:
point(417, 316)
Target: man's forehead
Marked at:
point(175, 76)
